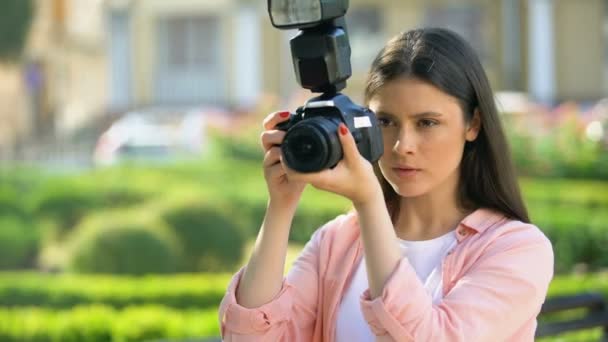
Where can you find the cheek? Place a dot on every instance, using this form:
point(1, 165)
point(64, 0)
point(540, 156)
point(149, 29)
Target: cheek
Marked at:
point(389, 137)
point(444, 152)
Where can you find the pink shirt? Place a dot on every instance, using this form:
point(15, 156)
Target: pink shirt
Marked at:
point(494, 283)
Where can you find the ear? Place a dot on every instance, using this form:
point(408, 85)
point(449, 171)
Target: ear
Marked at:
point(474, 126)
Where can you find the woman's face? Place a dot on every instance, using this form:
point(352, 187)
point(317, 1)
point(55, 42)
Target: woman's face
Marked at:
point(424, 133)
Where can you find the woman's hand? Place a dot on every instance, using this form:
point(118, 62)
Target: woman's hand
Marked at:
point(283, 190)
point(352, 178)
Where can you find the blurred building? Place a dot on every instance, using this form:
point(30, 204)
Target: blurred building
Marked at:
point(88, 58)
point(65, 67)
point(226, 51)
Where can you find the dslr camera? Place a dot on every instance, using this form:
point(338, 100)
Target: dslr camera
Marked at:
point(321, 59)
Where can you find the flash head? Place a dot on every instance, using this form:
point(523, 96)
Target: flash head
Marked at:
point(289, 14)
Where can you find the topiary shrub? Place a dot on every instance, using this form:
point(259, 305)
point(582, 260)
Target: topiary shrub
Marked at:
point(123, 243)
point(66, 201)
point(18, 243)
point(11, 203)
point(211, 234)
point(85, 323)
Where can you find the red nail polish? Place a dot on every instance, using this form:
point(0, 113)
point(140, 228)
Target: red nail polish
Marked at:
point(284, 114)
point(343, 129)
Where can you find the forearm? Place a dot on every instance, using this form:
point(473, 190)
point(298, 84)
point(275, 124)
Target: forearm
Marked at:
point(382, 251)
point(263, 276)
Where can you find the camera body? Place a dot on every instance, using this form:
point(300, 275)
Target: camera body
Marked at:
point(321, 59)
point(312, 144)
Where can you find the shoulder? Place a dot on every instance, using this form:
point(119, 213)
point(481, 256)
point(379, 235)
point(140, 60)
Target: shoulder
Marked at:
point(513, 232)
point(501, 235)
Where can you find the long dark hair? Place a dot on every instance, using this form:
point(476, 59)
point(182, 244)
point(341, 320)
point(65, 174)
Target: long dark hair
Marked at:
point(442, 58)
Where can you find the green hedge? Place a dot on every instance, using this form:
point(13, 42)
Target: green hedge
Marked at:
point(65, 201)
point(581, 193)
point(102, 323)
point(124, 243)
point(18, 243)
point(210, 233)
point(66, 290)
point(574, 215)
point(562, 151)
point(105, 323)
point(571, 212)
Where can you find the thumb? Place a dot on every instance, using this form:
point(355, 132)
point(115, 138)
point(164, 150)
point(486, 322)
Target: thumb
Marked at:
point(349, 147)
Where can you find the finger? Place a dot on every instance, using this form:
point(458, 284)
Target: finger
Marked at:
point(273, 119)
point(276, 171)
point(273, 156)
point(323, 180)
point(322, 176)
point(271, 138)
point(349, 146)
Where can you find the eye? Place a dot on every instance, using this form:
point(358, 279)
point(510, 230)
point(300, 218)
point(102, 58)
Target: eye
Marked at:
point(426, 123)
point(385, 122)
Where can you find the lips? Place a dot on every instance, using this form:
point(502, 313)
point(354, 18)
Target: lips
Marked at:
point(406, 168)
point(406, 171)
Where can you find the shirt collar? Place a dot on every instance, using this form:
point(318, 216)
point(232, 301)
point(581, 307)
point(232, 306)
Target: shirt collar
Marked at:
point(481, 219)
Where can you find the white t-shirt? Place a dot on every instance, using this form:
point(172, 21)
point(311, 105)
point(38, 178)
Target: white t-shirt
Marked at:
point(425, 257)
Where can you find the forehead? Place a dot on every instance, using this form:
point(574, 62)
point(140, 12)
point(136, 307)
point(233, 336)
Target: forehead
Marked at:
point(410, 96)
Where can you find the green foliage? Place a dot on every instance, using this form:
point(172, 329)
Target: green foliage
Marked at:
point(574, 215)
point(100, 322)
point(65, 201)
point(211, 234)
point(15, 19)
point(562, 151)
point(17, 186)
point(222, 191)
point(9, 204)
point(18, 242)
point(183, 291)
point(124, 243)
point(103, 324)
point(245, 148)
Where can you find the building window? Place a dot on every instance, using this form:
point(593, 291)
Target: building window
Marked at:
point(189, 39)
point(467, 21)
point(189, 66)
point(365, 31)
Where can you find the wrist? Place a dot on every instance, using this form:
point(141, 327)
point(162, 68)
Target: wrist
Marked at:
point(281, 207)
point(370, 201)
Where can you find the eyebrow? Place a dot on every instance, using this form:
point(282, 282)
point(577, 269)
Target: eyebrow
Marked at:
point(417, 115)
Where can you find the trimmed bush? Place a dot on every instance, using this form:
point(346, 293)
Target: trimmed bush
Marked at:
point(211, 235)
point(579, 233)
point(67, 201)
point(123, 243)
point(18, 243)
point(12, 204)
point(61, 291)
point(153, 322)
point(103, 324)
point(85, 323)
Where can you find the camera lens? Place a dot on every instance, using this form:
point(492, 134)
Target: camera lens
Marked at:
point(312, 145)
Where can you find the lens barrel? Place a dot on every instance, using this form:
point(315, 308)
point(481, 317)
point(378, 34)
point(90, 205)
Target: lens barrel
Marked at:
point(312, 145)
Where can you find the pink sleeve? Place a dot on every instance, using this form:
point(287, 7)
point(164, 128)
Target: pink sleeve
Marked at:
point(498, 296)
point(290, 316)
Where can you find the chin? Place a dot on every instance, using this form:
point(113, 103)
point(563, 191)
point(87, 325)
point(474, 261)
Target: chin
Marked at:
point(409, 190)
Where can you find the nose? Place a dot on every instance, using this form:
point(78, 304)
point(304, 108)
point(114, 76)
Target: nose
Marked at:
point(406, 143)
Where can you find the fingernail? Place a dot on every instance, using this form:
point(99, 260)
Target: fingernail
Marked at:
point(284, 114)
point(343, 129)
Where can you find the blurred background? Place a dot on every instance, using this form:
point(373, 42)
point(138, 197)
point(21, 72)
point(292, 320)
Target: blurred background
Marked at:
point(130, 170)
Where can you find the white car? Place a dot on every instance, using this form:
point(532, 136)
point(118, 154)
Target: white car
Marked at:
point(152, 135)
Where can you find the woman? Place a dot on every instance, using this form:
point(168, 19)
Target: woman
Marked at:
point(439, 246)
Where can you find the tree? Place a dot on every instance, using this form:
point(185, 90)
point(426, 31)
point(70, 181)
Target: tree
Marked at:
point(15, 19)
